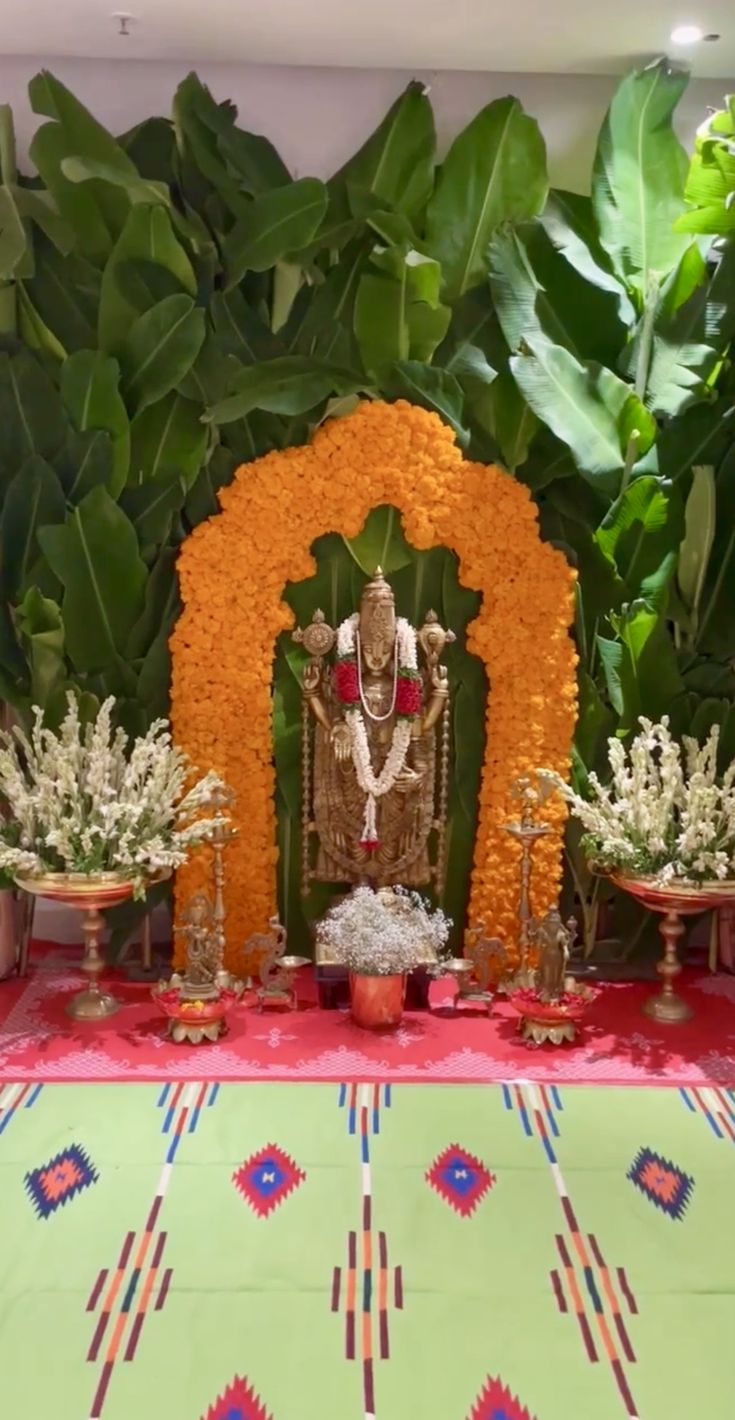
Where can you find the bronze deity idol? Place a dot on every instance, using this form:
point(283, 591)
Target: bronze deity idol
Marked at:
point(375, 751)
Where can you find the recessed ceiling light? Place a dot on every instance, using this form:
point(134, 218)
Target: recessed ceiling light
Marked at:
point(687, 34)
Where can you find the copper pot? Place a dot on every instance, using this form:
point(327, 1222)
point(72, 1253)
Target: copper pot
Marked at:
point(377, 1001)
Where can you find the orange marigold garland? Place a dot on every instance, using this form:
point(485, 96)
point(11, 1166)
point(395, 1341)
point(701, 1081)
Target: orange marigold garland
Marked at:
point(234, 567)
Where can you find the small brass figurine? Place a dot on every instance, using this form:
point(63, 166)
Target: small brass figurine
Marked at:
point(488, 957)
point(199, 930)
point(554, 941)
point(277, 971)
point(375, 746)
point(197, 1001)
point(551, 1007)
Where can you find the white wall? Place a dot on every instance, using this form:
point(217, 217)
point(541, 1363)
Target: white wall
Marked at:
point(318, 117)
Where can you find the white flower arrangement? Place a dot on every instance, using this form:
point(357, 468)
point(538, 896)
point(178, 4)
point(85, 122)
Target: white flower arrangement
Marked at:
point(665, 814)
point(84, 800)
point(384, 933)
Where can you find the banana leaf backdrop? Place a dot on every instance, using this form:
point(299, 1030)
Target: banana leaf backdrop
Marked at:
point(173, 304)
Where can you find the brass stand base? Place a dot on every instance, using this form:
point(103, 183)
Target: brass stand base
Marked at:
point(194, 1034)
point(668, 1008)
point(470, 993)
point(92, 1005)
point(539, 1032)
point(276, 998)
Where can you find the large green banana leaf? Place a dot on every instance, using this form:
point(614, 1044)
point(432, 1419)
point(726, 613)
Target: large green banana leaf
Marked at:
point(160, 350)
point(397, 313)
point(433, 389)
point(537, 291)
point(639, 175)
point(396, 164)
point(275, 224)
point(494, 172)
point(716, 628)
point(147, 236)
point(87, 461)
point(569, 221)
point(16, 252)
point(95, 556)
point(290, 385)
point(64, 294)
point(588, 407)
point(95, 210)
point(166, 437)
point(34, 498)
point(41, 631)
point(711, 179)
point(32, 419)
point(90, 388)
point(700, 519)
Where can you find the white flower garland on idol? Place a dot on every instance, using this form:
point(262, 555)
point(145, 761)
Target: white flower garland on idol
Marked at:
point(375, 786)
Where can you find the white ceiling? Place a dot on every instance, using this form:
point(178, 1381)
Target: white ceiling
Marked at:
point(511, 36)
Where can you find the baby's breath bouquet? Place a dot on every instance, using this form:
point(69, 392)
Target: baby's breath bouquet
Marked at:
point(383, 933)
point(665, 814)
point(85, 800)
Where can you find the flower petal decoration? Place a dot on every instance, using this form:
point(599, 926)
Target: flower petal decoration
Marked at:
point(233, 570)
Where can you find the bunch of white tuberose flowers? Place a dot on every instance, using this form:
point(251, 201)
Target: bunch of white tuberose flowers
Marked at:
point(86, 800)
point(665, 812)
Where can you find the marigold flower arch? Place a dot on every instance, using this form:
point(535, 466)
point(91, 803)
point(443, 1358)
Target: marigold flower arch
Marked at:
point(234, 567)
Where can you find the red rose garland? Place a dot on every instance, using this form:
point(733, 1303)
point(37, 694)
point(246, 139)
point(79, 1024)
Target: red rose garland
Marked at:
point(408, 688)
point(346, 682)
point(408, 695)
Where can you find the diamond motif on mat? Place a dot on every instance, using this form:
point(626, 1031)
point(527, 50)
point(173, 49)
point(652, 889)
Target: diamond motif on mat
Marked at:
point(266, 1178)
point(497, 1403)
point(62, 1178)
point(460, 1179)
point(238, 1402)
point(662, 1182)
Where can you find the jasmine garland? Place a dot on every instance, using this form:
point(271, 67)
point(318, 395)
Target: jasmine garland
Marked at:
point(84, 800)
point(665, 814)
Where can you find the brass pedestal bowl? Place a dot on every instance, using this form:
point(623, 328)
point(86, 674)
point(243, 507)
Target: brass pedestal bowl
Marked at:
point(553, 1022)
point(91, 894)
point(673, 903)
point(195, 1020)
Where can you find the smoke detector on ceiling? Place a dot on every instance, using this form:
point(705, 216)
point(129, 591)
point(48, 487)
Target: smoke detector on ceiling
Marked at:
point(123, 21)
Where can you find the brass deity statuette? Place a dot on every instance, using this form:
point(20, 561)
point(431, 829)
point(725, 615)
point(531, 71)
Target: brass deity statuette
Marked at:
point(375, 746)
point(199, 930)
point(554, 940)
